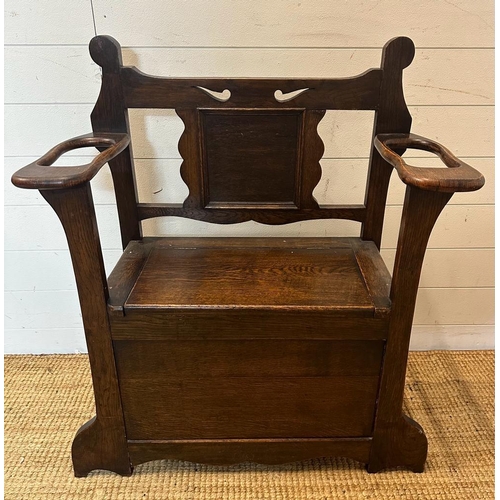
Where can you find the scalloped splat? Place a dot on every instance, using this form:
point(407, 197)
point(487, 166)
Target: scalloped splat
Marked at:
point(223, 96)
point(280, 97)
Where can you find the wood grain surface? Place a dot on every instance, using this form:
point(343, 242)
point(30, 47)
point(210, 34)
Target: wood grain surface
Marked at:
point(186, 322)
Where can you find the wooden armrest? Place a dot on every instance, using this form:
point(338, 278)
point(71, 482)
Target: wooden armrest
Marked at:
point(458, 177)
point(41, 175)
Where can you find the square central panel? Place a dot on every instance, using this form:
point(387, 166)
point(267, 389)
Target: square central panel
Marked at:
point(251, 158)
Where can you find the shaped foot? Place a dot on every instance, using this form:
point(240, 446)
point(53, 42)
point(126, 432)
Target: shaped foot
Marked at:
point(403, 444)
point(98, 446)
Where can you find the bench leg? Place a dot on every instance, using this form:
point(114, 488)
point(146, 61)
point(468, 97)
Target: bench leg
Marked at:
point(397, 439)
point(402, 444)
point(101, 443)
point(95, 446)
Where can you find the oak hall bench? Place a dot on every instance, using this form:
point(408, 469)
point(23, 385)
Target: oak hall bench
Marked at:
point(271, 350)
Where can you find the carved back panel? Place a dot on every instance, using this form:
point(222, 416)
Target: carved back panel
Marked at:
point(250, 158)
point(250, 147)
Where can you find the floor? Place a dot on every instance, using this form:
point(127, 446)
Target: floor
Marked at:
point(451, 394)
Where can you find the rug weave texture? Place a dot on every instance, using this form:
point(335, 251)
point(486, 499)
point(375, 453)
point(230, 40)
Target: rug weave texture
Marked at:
point(450, 394)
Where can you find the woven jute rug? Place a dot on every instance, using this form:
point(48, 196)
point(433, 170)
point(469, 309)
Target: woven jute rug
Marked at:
point(449, 393)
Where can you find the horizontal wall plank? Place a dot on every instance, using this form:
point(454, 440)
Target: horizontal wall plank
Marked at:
point(459, 226)
point(453, 267)
point(53, 74)
point(60, 309)
point(452, 337)
point(52, 270)
point(453, 127)
point(449, 76)
point(48, 21)
point(42, 310)
point(344, 181)
point(45, 270)
point(38, 228)
point(298, 24)
point(465, 130)
point(27, 132)
point(424, 337)
point(33, 74)
point(455, 306)
point(44, 341)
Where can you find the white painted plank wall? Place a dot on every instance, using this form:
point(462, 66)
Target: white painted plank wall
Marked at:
point(51, 85)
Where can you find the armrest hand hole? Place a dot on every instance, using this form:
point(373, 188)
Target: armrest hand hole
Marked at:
point(451, 176)
point(425, 159)
point(76, 157)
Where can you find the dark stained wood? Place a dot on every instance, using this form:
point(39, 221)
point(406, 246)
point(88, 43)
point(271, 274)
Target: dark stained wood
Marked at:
point(262, 451)
point(222, 350)
point(313, 149)
point(251, 324)
point(191, 170)
point(101, 442)
point(398, 440)
point(204, 398)
point(269, 215)
point(259, 242)
point(250, 407)
point(243, 163)
point(110, 114)
point(375, 274)
point(40, 174)
point(245, 357)
point(144, 91)
point(391, 116)
point(125, 273)
point(332, 320)
point(459, 176)
point(251, 158)
point(206, 394)
point(126, 196)
point(257, 278)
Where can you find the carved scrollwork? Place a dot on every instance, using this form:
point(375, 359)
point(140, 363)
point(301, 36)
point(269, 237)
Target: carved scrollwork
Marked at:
point(288, 96)
point(223, 96)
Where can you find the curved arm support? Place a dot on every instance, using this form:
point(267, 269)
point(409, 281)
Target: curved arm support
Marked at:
point(397, 440)
point(459, 176)
point(101, 443)
point(41, 175)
